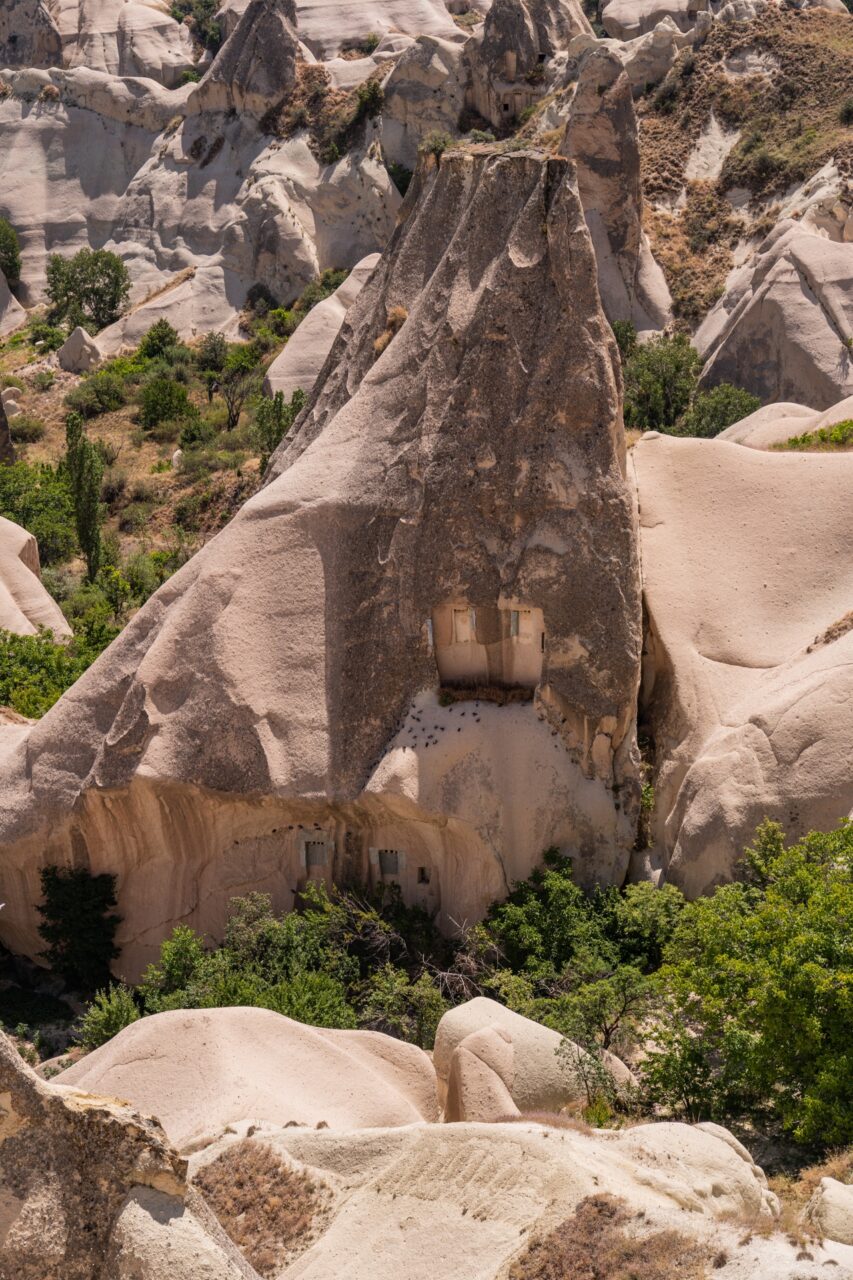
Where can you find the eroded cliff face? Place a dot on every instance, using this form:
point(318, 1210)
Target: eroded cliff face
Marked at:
point(414, 655)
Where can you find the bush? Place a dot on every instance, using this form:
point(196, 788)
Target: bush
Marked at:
point(212, 352)
point(10, 254)
point(845, 115)
point(46, 336)
point(660, 380)
point(90, 289)
point(714, 410)
point(158, 341)
point(39, 498)
point(202, 15)
point(44, 379)
point(164, 400)
point(195, 432)
point(35, 671)
point(435, 143)
point(101, 392)
point(25, 429)
point(273, 420)
point(110, 1012)
point(79, 925)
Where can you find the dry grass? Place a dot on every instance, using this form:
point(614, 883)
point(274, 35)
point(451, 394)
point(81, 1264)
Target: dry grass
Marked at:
point(596, 1244)
point(795, 1193)
point(694, 248)
point(331, 116)
point(833, 633)
point(271, 1212)
point(552, 1119)
point(394, 321)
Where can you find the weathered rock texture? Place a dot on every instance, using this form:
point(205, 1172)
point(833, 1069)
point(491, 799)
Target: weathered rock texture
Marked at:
point(201, 1070)
point(507, 60)
point(255, 69)
point(425, 92)
point(70, 1165)
point(29, 37)
point(601, 137)
point(12, 314)
point(747, 674)
point(480, 1079)
point(25, 605)
point(783, 327)
point(456, 503)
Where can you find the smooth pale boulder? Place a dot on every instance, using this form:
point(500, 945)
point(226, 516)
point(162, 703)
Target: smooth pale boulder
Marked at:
point(200, 1070)
point(25, 606)
point(749, 653)
point(830, 1210)
point(480, 1077)
point(299, 364)
point(774, 424)
point(79, 352)
point(628, 19)
point(784, 325)
point(12, 314)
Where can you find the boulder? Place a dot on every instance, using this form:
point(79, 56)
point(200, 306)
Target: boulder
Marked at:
point(784, 325)
point(70, 1165)
point(747, 682)
point(824, 201)
point(299, 364)
point(79, 352)
point(480, 1078)
point(424, 93)
point(539, 1082)
point(12, 314)
point(25, 606)
point(201, 1070)
point(9, 401)
point(830, 1210)
point(408, 548)
point(255, 69)
point(601, 137)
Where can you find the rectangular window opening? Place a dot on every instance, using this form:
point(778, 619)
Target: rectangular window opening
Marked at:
point(423, 875)
point(389, 862)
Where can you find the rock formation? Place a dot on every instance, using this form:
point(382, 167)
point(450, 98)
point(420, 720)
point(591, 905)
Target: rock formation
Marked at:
point(86, 1183)
point(480, 1078)
point(79, 352)
point(12, 314)
point(424, 93)
point(748, 657)
point(507, 60)
point(299, 364)
point(29, 37)
point(25, 605)
point(255, 69)
point(628, 19)
point(830, 1210)
point(783, 327)
point(451, 513)
point(774, 424)
point(601, 137)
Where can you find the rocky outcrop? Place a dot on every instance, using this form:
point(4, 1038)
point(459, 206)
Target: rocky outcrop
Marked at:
point(71, 1167)
point(203, 1070)
point(830, 1210)
point(328, 26)
point(299, 364)
point(507, 61)
point(783, 327)
point(628, 19)
point(647, 59)
point(128, 38)
point(601, 137)
point(450, 517)
point(29, 36)
point(480, 1078)
point(12, 314)
point(747, 685)
point(775, 424)
point(255, 70)
point(79, 352)
point(424, 93)
point(25, 606)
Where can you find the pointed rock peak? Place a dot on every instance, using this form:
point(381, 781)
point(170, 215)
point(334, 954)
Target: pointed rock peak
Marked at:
point(256, 67)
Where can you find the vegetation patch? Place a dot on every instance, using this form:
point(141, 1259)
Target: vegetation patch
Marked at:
point(836, 438)
point(268, 1209)
point(603, 1240)
point(334, 118)
point(693, 245)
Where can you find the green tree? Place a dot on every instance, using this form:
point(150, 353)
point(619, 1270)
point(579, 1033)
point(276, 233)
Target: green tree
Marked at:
point(393, 1003)
point(111, 1011)
point(660, 380)
point(10, 254)
point(212, 352)
point(158, 340)
point(712, 411)
point(239, 381)
point(273, 419)
point(79, 925)
point(164, 400)
point(86, 469)
point(39, 498)
point(90, 289)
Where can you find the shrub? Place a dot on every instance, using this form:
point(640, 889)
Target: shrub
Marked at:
point(39, 498)
point(91, 289)
point(212, 352)
point(110, 1012)
point(25, 429)
point(159, 340)
point(845, 115)
point(35, 671)
point(273, 420)
point(163, 400)
point(369, 99)
point(10, 254)
point(838, 436)
point(101, 392)
point(78, 925)
point(202, 16)
point(435, 143)
point(660, 379)
point(196, 431)
point(44, 379)
point(714, 410)
point(46, 336)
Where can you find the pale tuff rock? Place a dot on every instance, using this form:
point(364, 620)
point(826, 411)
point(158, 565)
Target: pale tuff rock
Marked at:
point(12, 314)
point(255, 70)
point(783, 327)
point(403, 540)
point(299, 364)
point(480, 1079)
point(538, 1080)
point(825, 202)
point(127, 38)
point(507, 60)
point(79, 352)
point(601, 137)
point(202, 1070)
point(68, 1163)
point(25, 605)
point(747, 673)
point(628, 19)
point(648, 58)
point(774, 424)
point(29, 36)
point(425, 92)
point(327, 26)
point(830, 1210)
